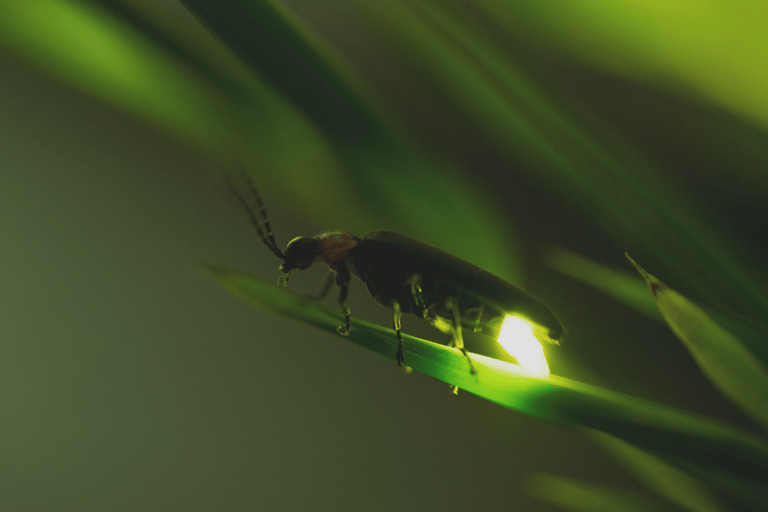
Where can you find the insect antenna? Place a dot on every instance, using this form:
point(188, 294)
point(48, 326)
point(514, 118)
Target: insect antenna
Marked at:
point(265, 233)
point(264, 216)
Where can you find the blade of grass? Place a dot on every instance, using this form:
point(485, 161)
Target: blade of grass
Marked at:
point(95, 51)
point(214, 64)
point(626, 288)
point(665, 480)
point(720, 355)
point(634, 293)
point(574, 495)
point(659, 429)
point(628, 198)
point(404, 187)
point(670, 44)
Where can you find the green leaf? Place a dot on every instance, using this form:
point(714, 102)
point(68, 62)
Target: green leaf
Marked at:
point(659, 429)
point(348, 148)
point(671, 44)
point(392, 180)
point(720, 355)
point(579, 496)
point(93, 50)
point(665, 480)
point(620, 285)
point(630, 199)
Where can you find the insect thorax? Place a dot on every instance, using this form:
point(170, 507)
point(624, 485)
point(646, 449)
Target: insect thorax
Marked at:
point(335, 248)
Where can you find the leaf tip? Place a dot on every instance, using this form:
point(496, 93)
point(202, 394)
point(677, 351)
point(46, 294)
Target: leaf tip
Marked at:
point(653, 283)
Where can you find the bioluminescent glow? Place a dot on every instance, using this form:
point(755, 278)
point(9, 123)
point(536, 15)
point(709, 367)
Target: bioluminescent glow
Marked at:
point(516, 336)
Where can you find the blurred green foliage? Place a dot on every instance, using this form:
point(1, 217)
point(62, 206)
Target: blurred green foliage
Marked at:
point(278, 99)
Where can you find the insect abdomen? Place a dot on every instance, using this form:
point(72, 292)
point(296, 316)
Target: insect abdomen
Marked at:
point(387, 263)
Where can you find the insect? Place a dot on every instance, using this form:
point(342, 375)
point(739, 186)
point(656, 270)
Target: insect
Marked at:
point(408, 276)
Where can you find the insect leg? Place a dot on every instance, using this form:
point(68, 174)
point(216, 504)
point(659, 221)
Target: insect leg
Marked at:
point(343, 278)
point(458, 340)
point(326, 287)
point(396, 315)
point(478, 326)
point(417, 296)
point(285, 276)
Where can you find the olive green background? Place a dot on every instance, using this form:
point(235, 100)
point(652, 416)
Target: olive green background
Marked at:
point(129, 380)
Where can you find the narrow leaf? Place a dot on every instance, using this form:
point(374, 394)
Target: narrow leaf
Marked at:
point(658, 428)
point(629, 199)
point(405, 187)
point(579, 496)
point(667, 481)
point(90, 48)
point(620, 285)
point(721, 356)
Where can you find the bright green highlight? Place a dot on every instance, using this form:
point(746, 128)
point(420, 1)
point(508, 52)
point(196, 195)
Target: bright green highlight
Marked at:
point(321, 140)
point(630, 199)
point(517, 338)
point(665, 431)
point(714, 49)
point(216, 108)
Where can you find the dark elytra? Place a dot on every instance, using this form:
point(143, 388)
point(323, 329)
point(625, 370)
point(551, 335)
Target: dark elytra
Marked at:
point(409, 276)
point(385, 260)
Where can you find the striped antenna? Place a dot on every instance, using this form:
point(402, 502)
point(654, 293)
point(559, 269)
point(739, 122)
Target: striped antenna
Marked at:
point(265, 231)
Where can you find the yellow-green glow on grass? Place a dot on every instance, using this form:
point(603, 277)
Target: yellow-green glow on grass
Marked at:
point(97, 52)
point(517, 338)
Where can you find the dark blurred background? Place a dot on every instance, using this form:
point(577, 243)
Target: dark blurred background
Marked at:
point(129, 380)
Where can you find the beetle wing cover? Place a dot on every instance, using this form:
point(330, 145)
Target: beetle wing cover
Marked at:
point(405, 256)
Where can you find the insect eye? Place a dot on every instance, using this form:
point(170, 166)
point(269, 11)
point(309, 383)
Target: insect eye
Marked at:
point(300, 252)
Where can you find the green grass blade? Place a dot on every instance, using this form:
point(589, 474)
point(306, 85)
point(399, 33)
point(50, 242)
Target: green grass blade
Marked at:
point(581, 497)
point(670, 45)
point(93, 50)
point(665, 480)
point(130, 63)
point(404, 187)
point(720, 355)
point(150, 22)
point(265, 36)
point(634, 293)
point(628, 198)
point(624, 287)
point(659, 429)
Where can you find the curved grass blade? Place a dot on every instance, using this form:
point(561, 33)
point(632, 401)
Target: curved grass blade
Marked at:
point(665, 480)
point(406, 188)
point(634, 293)
point(660, 43)
point(659, 429)
point(720, 355)
point(624, 287)
point(579, 496)
point(91, 49)
point(629, 199)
